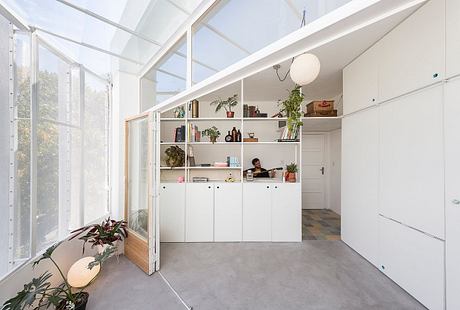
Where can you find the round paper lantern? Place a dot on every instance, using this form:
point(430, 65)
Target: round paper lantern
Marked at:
point(80, 275)
point(305, 69)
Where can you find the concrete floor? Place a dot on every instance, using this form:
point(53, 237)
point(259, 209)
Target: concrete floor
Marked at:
point(313, 274)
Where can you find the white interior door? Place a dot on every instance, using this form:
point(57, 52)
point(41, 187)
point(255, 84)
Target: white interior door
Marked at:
point(313, 171)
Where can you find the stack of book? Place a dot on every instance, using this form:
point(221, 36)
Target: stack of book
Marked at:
point(289, 135)
point(194, 135)
point(179, 135)
point(233, 161)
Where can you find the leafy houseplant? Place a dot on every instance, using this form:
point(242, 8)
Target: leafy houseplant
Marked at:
point(291, 170)
point(226, 104)
point(175, 156)
point(292, 108)
point(40, 294)
point(108, 233)
point(213, 133)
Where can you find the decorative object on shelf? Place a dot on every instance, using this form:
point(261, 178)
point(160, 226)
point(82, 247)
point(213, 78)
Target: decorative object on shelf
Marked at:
point(213, 133)
point(220, 164)
point(233, 162)
point(252, 111)
point(226, 104)
point(205, 165)
point(195, 107)
point(245, 110)
point(230, 178)
point(228, 137)
point(305, 69)
point(175, 156)
point(102, 235)
point(179, 112)
point(40, 294)
point(291, 171)
point(180, 179)
point(238, 136)
point(249, 176)
point(292, 108)
point(200, 179)
point(251, 138)
point(234, 134)
point(191, 157)
point(320, 108)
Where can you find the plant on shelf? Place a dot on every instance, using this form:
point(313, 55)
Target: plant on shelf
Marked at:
point(175, 156)
point(40, 294)
point(226, 104)
point(103, 235)
point(291, 107)
point(291, 171)
point(213, 133)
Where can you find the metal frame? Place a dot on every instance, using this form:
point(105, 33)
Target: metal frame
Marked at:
point(13, 138)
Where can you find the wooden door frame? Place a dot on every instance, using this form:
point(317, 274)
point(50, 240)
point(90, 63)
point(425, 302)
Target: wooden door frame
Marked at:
point(136, 248)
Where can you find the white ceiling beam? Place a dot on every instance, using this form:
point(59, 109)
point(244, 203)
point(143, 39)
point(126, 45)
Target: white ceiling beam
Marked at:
point(14, 18)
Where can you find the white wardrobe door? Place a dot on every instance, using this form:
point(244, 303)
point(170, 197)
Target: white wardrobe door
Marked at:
point(360, 183)
point(199, 217)
point(412, 54)
point(414, 261)
point(286, 213)
point(257, 212)
point(228, 212)
point(172, 212)
point(452, 37)
point(452, 151)
point(411, 161)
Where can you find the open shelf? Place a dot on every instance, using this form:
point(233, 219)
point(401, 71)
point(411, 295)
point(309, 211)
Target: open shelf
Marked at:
point(213, 168)
point(172, 119)
point(172, 143)
point(216, 143)
point(265, 119)
point(172, 168)
point(270, 142)
point(214, 119)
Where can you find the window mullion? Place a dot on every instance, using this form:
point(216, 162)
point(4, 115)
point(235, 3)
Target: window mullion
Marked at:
point(82, 141)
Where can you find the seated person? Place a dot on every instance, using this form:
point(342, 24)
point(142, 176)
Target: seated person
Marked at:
point(260, 172)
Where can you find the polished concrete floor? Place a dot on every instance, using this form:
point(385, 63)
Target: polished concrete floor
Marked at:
point(314, 274)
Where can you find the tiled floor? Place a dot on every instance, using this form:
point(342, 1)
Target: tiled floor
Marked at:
point(320, 224)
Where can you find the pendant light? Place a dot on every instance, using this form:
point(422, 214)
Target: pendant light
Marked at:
point(305, 69)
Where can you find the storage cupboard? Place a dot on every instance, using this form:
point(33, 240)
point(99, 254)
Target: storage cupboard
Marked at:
point(228, 212)
point(257, 215)
point(199, 212)
point(452, 38)
point(172, 212)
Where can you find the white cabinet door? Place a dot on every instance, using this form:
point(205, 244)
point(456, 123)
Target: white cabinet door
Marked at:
point(257, 212)
point(286, 212)
point(412, 54)
point(228, 212)
point(452, 38)
point(452, 153)
point(360, 81)
point(360, 183)
point(199, 215)
point(411, 161)
point(172, 212)
point(414, 261)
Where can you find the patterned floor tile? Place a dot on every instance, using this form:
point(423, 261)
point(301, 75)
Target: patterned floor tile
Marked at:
point(320, 225)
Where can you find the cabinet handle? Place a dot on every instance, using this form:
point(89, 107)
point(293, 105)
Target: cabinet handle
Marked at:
point(276, 186)
point(218, 187)
point(268, 186)
point(164, 187)
point(209, 186)
point(456, 202)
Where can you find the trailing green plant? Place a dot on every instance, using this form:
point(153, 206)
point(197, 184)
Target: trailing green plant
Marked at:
point(175, 156)
point(212, 132)
point(292, 108)
point(108, 232)
point(291, 168)
point(226, 104)
point(40, 294)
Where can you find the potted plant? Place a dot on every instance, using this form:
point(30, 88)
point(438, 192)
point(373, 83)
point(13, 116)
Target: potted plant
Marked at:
point(226, 104)
point(291, 107)
point(175, 156)
point(213, 133)
point(108, 233)
point(40, 294)
point(291, 171)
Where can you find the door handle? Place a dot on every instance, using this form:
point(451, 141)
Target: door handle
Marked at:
point(456, 202)
point(322, 170)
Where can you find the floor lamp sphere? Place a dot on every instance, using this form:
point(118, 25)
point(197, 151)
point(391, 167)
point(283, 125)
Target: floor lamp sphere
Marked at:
point(305, 69)
point(80, 275)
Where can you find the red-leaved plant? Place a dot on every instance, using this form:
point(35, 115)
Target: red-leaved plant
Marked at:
point(108, 232)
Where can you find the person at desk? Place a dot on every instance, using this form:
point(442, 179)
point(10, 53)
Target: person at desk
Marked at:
point(260, 172)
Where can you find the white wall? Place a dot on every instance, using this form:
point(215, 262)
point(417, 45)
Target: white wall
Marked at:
point(125, 104)
point(335, 167)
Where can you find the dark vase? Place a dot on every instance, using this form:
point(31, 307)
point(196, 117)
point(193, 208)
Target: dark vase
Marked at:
point(82, 300)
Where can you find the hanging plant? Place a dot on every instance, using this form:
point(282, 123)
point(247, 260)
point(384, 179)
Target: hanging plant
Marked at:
point(291, 107)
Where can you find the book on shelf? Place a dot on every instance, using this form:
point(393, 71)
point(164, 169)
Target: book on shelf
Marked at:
point(233, 162)
point(290, 135)
point(194, 134)
point(179, 135)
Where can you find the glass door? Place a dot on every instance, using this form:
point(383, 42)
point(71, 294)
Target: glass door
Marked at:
point(141, 207)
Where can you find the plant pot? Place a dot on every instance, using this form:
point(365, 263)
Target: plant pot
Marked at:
point(230, 114)
point(81, 302)
point(290, 177)
point(213, 139)
point(101, 248)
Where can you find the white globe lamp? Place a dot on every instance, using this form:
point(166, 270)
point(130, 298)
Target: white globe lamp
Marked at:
point(80, 275)
point(305, 69)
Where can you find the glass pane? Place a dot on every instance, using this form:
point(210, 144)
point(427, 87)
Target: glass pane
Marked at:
point(167, 78)
point(22, 74)
point(138, 176)
point(96, 124)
